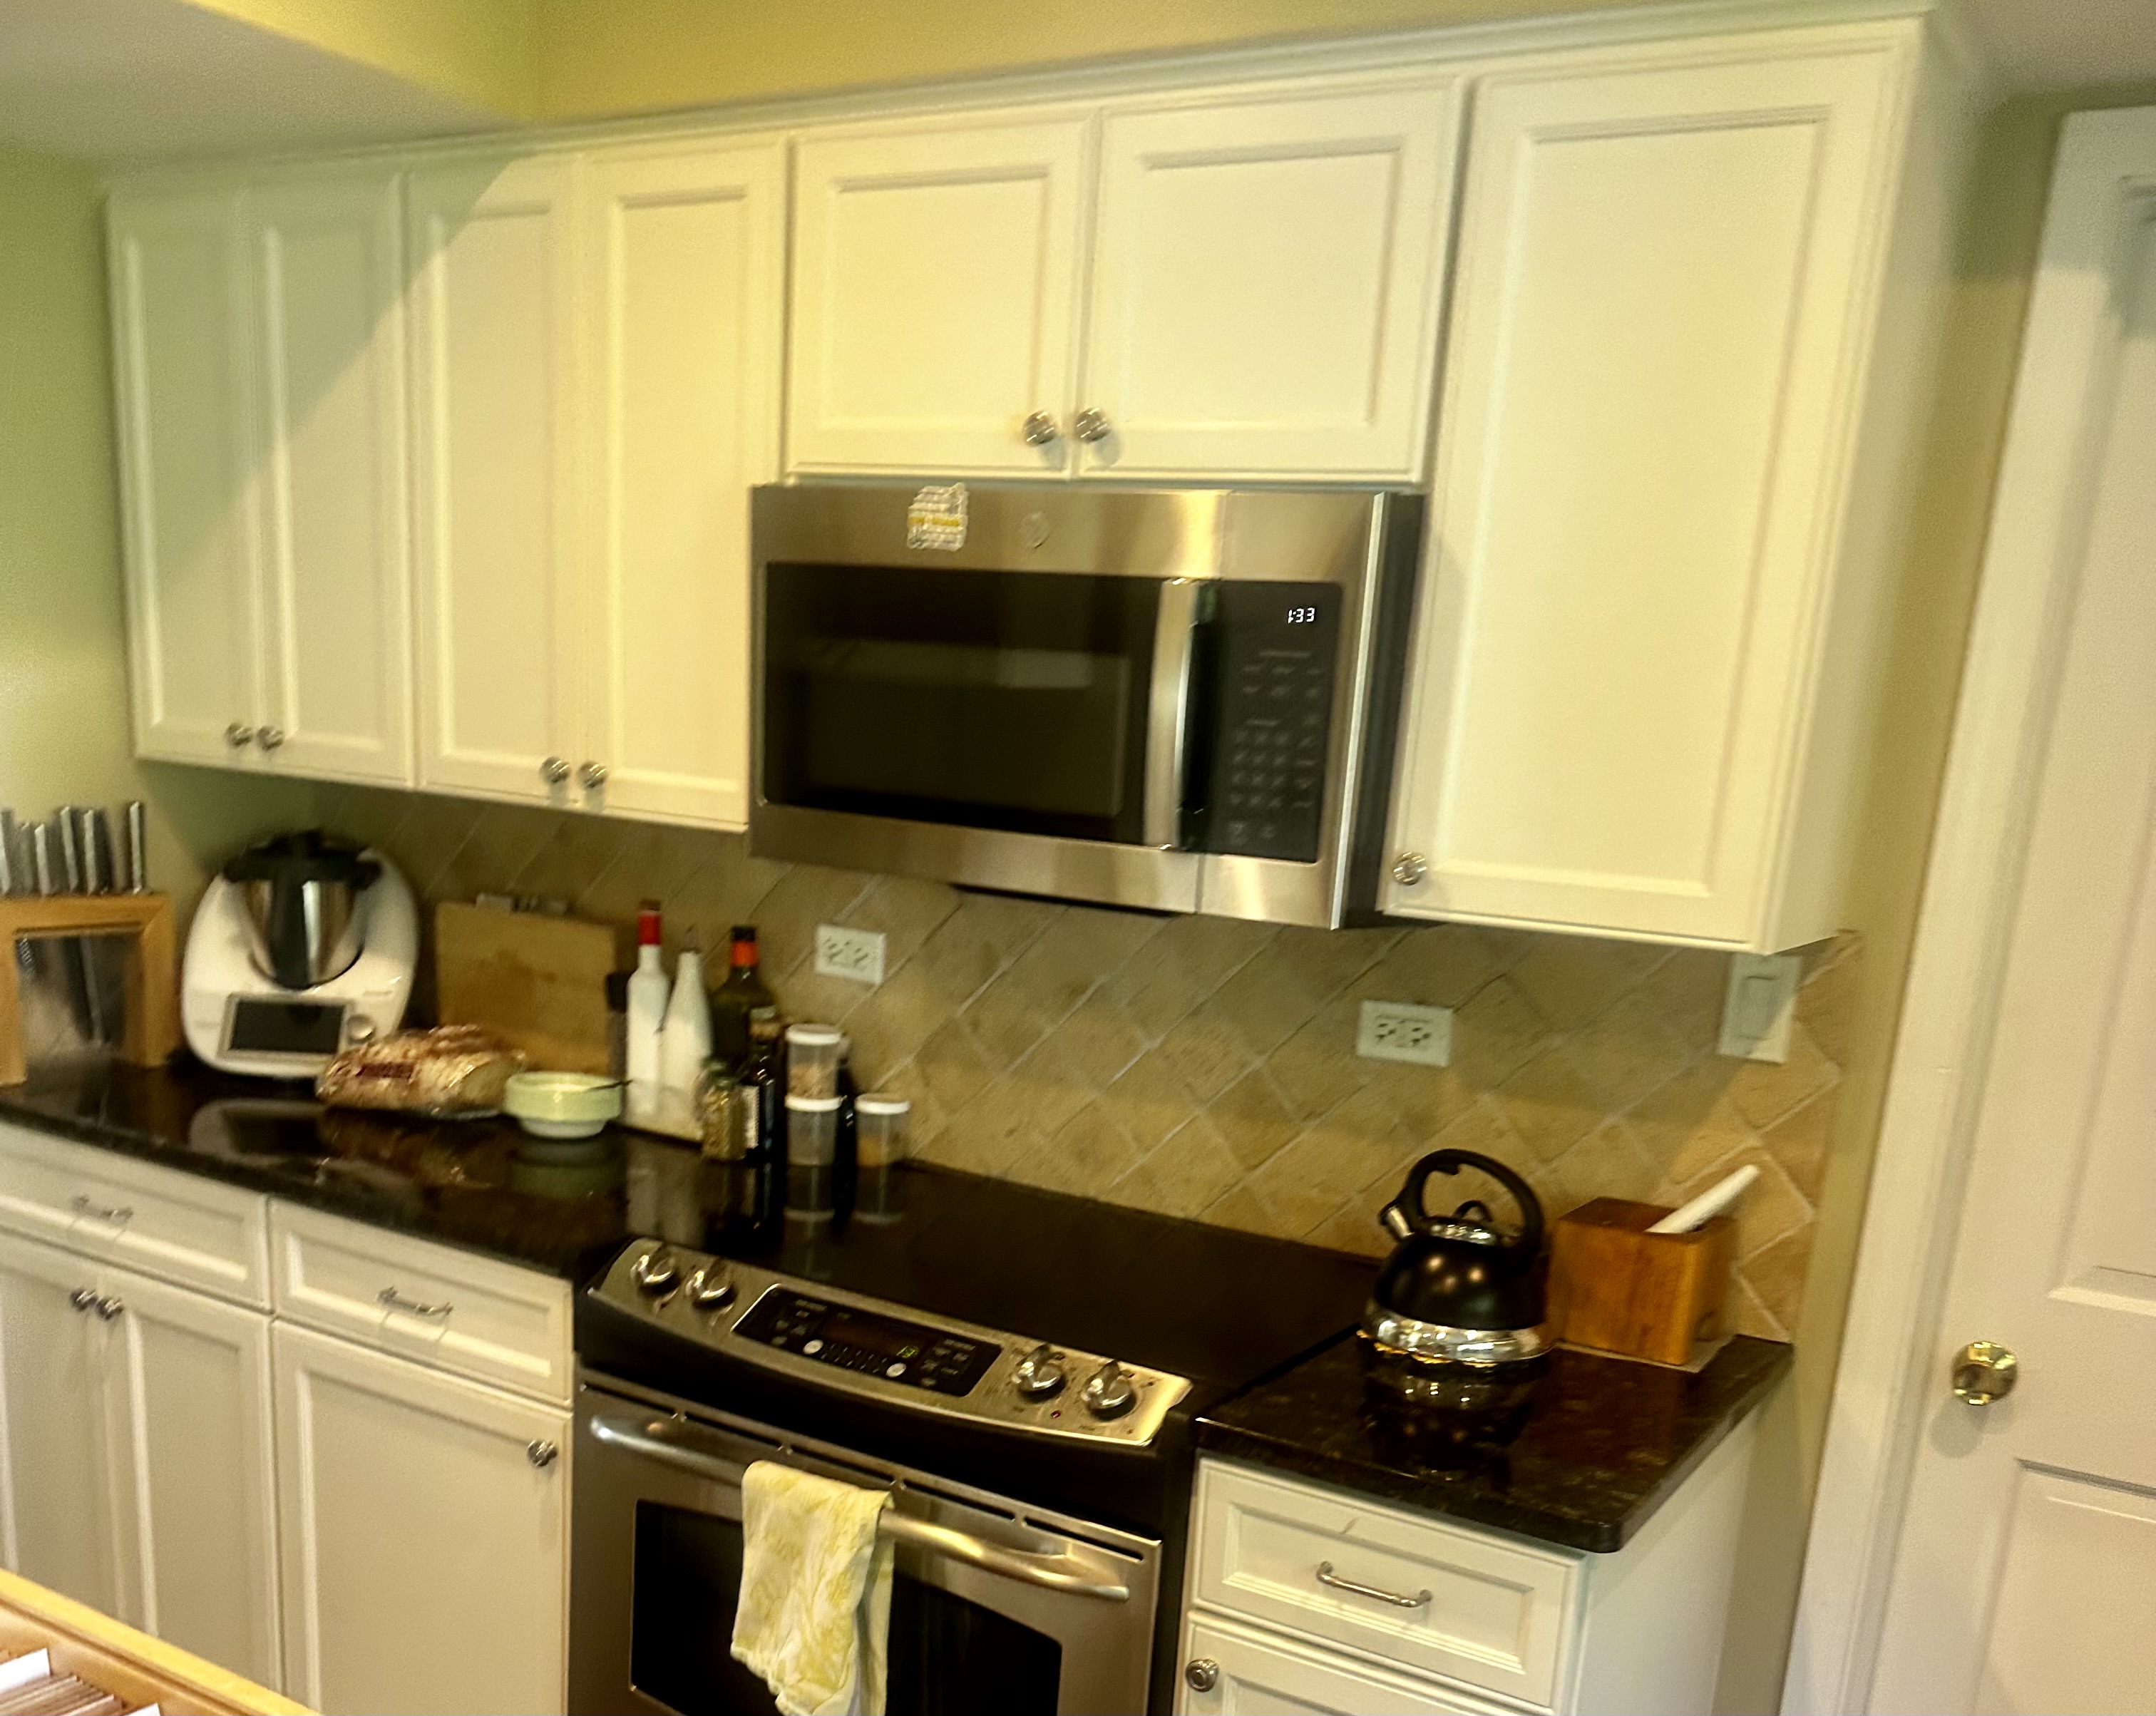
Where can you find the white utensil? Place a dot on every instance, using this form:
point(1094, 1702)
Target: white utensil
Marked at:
point(1708, 1204)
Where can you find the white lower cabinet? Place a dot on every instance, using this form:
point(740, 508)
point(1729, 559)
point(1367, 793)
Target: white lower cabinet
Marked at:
point(1302, 1597)
point(424, 1525)
point(134, 1470)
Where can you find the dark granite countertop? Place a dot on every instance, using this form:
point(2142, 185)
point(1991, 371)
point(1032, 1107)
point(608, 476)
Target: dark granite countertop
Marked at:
point(1580, 1457)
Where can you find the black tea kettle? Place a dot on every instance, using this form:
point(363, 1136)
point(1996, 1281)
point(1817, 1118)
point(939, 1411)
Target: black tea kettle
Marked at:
point(1458, 1288)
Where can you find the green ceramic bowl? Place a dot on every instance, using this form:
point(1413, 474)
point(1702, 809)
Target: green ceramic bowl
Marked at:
point(562, 1105)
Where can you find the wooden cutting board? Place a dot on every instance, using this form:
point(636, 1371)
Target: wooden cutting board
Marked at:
point(538, 981)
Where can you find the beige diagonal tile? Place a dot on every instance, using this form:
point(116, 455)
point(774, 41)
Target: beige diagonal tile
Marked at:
point(893, 1021)
point(1150, 1100)
point(1005, 1020)
point(1832, 990)
point(1443, 965)
point(1191, 1168)
point(1549, 1104)
point(1317, 1068)
point(952, 1067)
point(1494, 1034)
point(1088, 1153)
point(1098, 1042)
point(1251, 1120)
point(1264, 1003)
point(1764, 1090)
point(1207, 1054)
point(905, 910)
point(1802, 1140)
point(1570, 979)
point(958, 958)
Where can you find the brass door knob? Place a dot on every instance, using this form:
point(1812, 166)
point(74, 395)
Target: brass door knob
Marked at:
point(1984, 1371)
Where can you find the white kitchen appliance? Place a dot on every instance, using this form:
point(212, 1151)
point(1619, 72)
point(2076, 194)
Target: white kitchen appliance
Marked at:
point(303, 945)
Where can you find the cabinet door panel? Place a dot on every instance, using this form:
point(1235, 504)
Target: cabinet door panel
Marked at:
point(494, 476)
point(187, 1387)
point(56, 1499)
point(425, 1555)
point(1265, 287)
point(934, 282)
point(1652, 342)
point(337, 527)
point(684, 286)
point(180, 318)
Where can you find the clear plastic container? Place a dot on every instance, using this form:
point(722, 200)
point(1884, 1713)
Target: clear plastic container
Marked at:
point(726, 1113)
point(812, 1060)
point(812, 1155)
point(881, 1125)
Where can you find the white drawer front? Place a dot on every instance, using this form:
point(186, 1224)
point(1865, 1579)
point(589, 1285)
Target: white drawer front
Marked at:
point(1498, 1615)
point(446, 1307)
point(1229, 1670)
point(178, 1226)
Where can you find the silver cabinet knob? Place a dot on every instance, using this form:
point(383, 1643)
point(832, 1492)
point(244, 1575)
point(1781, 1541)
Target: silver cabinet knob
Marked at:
point(1040, 430)
point(1108, 1393)
point(110, 1307)
point(82, 1298)
point(1091, 424)
point(239, 736)
point(1984, 1371)
point(593, 775)
point(1201, 1674)
point(1409, 868)
point(269, 737)
point(541, 1453)
point(1039, 1374)
point(554, 770)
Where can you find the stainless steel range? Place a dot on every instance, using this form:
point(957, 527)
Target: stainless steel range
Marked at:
point(1039, 1480)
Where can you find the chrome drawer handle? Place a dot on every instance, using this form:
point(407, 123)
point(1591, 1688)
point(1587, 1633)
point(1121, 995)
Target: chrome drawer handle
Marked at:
point(391, 1300)
point(118, 1214)
point(1326, 1576)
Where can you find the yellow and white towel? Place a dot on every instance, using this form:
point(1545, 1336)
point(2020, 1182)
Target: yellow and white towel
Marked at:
point(815, 1591)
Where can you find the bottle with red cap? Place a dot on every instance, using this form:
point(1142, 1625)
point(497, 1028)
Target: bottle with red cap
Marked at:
point(648, 996)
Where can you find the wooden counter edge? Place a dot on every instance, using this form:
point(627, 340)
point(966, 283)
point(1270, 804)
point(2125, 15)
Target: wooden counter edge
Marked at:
point(132, 1665)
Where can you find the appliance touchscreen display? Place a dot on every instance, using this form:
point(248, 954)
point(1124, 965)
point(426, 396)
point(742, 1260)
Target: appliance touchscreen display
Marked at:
point(284, 1028)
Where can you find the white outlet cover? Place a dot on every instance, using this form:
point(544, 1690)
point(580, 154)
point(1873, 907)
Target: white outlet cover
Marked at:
point(1402, 1030)
point(854, 954)
point(1758, 1005)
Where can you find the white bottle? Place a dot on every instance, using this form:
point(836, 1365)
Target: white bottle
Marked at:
point(647, 1000)
point(685, 1043)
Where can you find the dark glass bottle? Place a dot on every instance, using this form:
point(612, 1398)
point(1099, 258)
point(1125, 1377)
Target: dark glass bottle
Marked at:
point(737, 999)
point(764, 1083)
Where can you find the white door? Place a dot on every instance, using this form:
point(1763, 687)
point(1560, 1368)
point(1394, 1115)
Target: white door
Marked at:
point(186, 1381)
point(494, 475)
point(1266, 283)
point(685, 257)
point(329, 292)
point(935, 297)
point(1643, 414)
point(181, 360)
point(57, 1517)
point(423, 1527)
point(2025, 1578)
point(1232, 1670)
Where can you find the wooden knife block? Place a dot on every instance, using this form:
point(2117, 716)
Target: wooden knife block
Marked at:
point(1618, 1288)
point(151, 997)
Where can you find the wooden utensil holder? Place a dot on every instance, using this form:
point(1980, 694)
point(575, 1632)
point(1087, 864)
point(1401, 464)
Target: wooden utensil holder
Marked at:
point(151, 1030)
point(1618, 1288)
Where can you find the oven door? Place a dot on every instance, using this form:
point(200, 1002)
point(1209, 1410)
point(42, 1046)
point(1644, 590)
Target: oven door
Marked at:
point(995, 1607)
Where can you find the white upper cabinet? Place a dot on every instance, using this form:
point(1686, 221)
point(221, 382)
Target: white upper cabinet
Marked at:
point(682, 256)
point(181, 342)
point(1265, 264)
point(1266, 278)
point(326, 262)
point(1664, 289)
point(935, 293)
point(495, 474)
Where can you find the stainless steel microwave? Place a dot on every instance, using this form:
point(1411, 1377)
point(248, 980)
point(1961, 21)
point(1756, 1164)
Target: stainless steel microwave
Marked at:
point(1180, 700)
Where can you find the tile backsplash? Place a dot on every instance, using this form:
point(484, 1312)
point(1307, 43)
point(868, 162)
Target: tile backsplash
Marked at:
point(1203, 1067)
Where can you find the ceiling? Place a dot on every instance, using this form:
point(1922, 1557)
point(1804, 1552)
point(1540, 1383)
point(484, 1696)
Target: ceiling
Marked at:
point(116, 79)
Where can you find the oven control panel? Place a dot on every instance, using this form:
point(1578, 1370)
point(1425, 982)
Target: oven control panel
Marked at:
point(868, 1342)
point(847, 1342)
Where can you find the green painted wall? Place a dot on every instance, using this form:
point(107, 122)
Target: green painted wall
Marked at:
point(63, 653)
point(480, 51)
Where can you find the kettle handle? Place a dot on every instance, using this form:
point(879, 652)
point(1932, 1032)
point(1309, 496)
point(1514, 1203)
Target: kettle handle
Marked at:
point(1415, 1211)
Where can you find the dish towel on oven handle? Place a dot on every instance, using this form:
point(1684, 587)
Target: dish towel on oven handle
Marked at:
point(814, 1613)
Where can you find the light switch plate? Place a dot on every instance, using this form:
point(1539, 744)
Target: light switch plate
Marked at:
point(1402, 1030)
point(1758, 1006)
point(856, 954)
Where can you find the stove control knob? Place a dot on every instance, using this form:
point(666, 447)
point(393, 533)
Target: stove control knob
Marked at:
point(710, 1287)
point(1039, 1375)
point(655, 1272)
point(1108, 1393)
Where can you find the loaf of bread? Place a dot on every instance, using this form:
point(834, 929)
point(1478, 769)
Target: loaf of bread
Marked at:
point(452, 1070)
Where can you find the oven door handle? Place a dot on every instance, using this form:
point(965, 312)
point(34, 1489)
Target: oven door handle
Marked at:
point(1168, 713)
point(1066, 1572)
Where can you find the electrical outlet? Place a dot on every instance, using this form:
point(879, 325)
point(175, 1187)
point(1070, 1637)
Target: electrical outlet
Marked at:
point(1758, 1005)
point(1400, 1030)
point(856, 954)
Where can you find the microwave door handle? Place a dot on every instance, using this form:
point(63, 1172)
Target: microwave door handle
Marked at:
point(1168, 713)
point(1066, 1573)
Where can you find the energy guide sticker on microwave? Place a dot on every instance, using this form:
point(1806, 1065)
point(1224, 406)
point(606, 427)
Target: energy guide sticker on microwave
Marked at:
point(936, 519)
